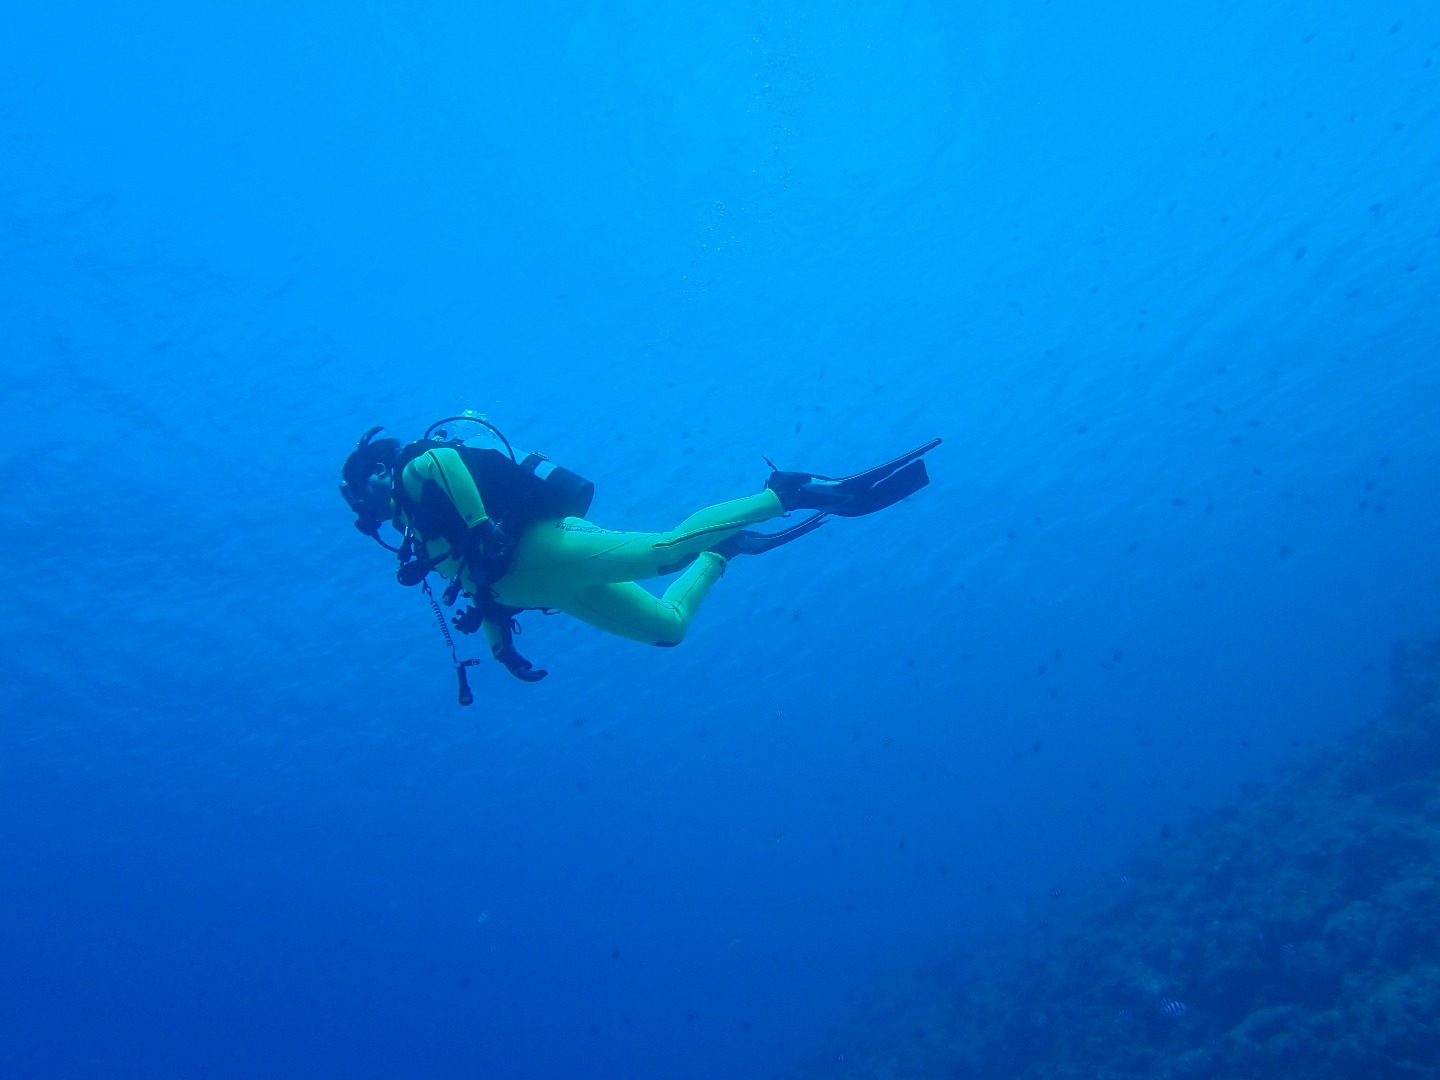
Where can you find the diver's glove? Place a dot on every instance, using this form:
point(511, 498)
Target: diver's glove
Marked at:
point(491, 557)
point(516, 664)
point(467, 620)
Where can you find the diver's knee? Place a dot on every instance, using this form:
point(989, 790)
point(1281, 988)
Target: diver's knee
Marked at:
point(672, 628)
point(670, 636)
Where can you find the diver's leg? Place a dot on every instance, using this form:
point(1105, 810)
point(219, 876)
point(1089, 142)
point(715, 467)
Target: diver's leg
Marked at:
point(627, 610)
point(556, 560)
point(705, 528)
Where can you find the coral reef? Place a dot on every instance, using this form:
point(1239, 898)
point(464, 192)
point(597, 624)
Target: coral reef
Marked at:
point(1295, 933)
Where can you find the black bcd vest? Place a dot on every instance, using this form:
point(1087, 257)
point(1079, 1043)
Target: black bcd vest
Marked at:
point(515, 494)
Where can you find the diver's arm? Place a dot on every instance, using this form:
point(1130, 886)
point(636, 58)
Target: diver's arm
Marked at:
point(502, 648)
point(497, 635)
point(447, 469)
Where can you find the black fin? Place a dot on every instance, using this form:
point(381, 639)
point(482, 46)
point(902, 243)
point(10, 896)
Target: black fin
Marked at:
point(886, 492)
point(747, 542)
point(857, 495)
point(871, 477)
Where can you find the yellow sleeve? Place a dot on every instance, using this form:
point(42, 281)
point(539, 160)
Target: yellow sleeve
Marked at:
point(445, 467)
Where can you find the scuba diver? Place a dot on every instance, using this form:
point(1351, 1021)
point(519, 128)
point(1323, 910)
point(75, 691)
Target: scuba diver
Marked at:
point(510, 533)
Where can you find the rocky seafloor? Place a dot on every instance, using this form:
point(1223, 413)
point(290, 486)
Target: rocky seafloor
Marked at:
point(1292, 933)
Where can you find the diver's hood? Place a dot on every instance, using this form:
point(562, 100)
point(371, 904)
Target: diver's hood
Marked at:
point(371, 459)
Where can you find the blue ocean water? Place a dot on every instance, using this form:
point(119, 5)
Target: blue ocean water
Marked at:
point(1164, 278)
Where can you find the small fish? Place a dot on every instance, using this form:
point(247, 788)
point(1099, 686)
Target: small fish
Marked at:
point(1171, 1007)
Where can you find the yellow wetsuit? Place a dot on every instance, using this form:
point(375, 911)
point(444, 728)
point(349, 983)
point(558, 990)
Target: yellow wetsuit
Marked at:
point(573, 566)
